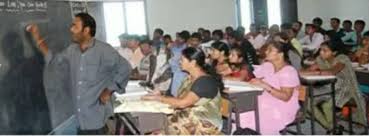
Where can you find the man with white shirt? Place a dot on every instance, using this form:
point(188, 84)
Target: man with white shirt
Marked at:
point(312, 39)
point(132, 51)
point(260, 39)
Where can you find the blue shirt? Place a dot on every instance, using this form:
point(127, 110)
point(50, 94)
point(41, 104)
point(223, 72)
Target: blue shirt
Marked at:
point(99, 67)
point(178, 74)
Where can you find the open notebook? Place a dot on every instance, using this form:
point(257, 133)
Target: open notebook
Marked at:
point(238, 86)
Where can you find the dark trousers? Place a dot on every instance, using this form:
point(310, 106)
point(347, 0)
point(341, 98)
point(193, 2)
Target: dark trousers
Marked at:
point(101, 131)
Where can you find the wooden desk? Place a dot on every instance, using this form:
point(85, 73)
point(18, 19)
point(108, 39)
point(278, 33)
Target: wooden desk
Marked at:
point(242, 102)
point(319, 82)
point(140, 123)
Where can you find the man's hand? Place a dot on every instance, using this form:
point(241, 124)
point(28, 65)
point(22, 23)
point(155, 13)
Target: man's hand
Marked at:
point(34, 30)
point(105, 96)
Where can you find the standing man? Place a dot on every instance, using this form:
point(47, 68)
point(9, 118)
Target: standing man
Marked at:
point(97, 70)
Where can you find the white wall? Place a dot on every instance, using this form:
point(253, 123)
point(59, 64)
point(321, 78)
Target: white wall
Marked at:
point(177, 15)
point(326, 9)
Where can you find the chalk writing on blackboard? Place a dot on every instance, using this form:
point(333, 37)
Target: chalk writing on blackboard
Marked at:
point(78, 7)
point(23, 6)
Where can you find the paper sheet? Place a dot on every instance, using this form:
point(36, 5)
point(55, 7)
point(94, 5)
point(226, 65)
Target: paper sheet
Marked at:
point(238, 86)
point(131, 101)
point(143, 106)
point(318, 77)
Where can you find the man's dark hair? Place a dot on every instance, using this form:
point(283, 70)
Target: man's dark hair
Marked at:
point(185, 35)
point(167, 36)
point(160, 31)
point(318, 20)
point(347, 21)
point(336, 19)
point(146, 41)
point(88, 21)
point(236, 35)
point(207, 32)
point(310, 25)
point(362, 22)
point(196, 35)
point(200, 29)
point(219, 33)
point(229, 28)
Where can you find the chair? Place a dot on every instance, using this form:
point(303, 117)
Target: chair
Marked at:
point(300, 119)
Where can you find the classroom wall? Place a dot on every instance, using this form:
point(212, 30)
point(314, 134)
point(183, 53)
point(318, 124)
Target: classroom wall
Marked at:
point(343, 9)
point(176, 15)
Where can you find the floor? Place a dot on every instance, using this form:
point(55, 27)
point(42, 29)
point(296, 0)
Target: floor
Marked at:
point(319, 130)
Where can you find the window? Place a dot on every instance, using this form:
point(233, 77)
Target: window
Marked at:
point(274, 12)
point(245, 13)
point(124, 17)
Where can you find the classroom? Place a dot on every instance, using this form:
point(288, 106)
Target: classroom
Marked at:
point(184, 67)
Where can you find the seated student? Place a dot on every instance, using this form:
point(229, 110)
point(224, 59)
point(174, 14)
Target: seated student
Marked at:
point(195, 40)
point(350, 37)
point(217, 35)
point(359, 30)
point(200, 30)
point(260, 39)
point(362, 55)
point(278, 104)
point(163, 55)
point(219, 56)
point(207, 40)
point(253, 32)
point(197, 109)
point(336, 33)
point(296, 26)
point(162, 76)
point(133, 53)
point(241, 30)
point(206, 37)
point(176, 50)
point(312, 39)
point(236, 39)
point(291, 33)
point(239, 69)
point(332, 62)
point(157, 40)
point(228, 30)
point(146, 68)
point(273, 30)
point(318, 22)
point(293, 54)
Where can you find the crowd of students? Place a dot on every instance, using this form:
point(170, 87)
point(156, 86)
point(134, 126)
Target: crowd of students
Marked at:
point(187, 73)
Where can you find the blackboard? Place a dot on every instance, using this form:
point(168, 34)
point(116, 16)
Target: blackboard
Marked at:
point(34, 99)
